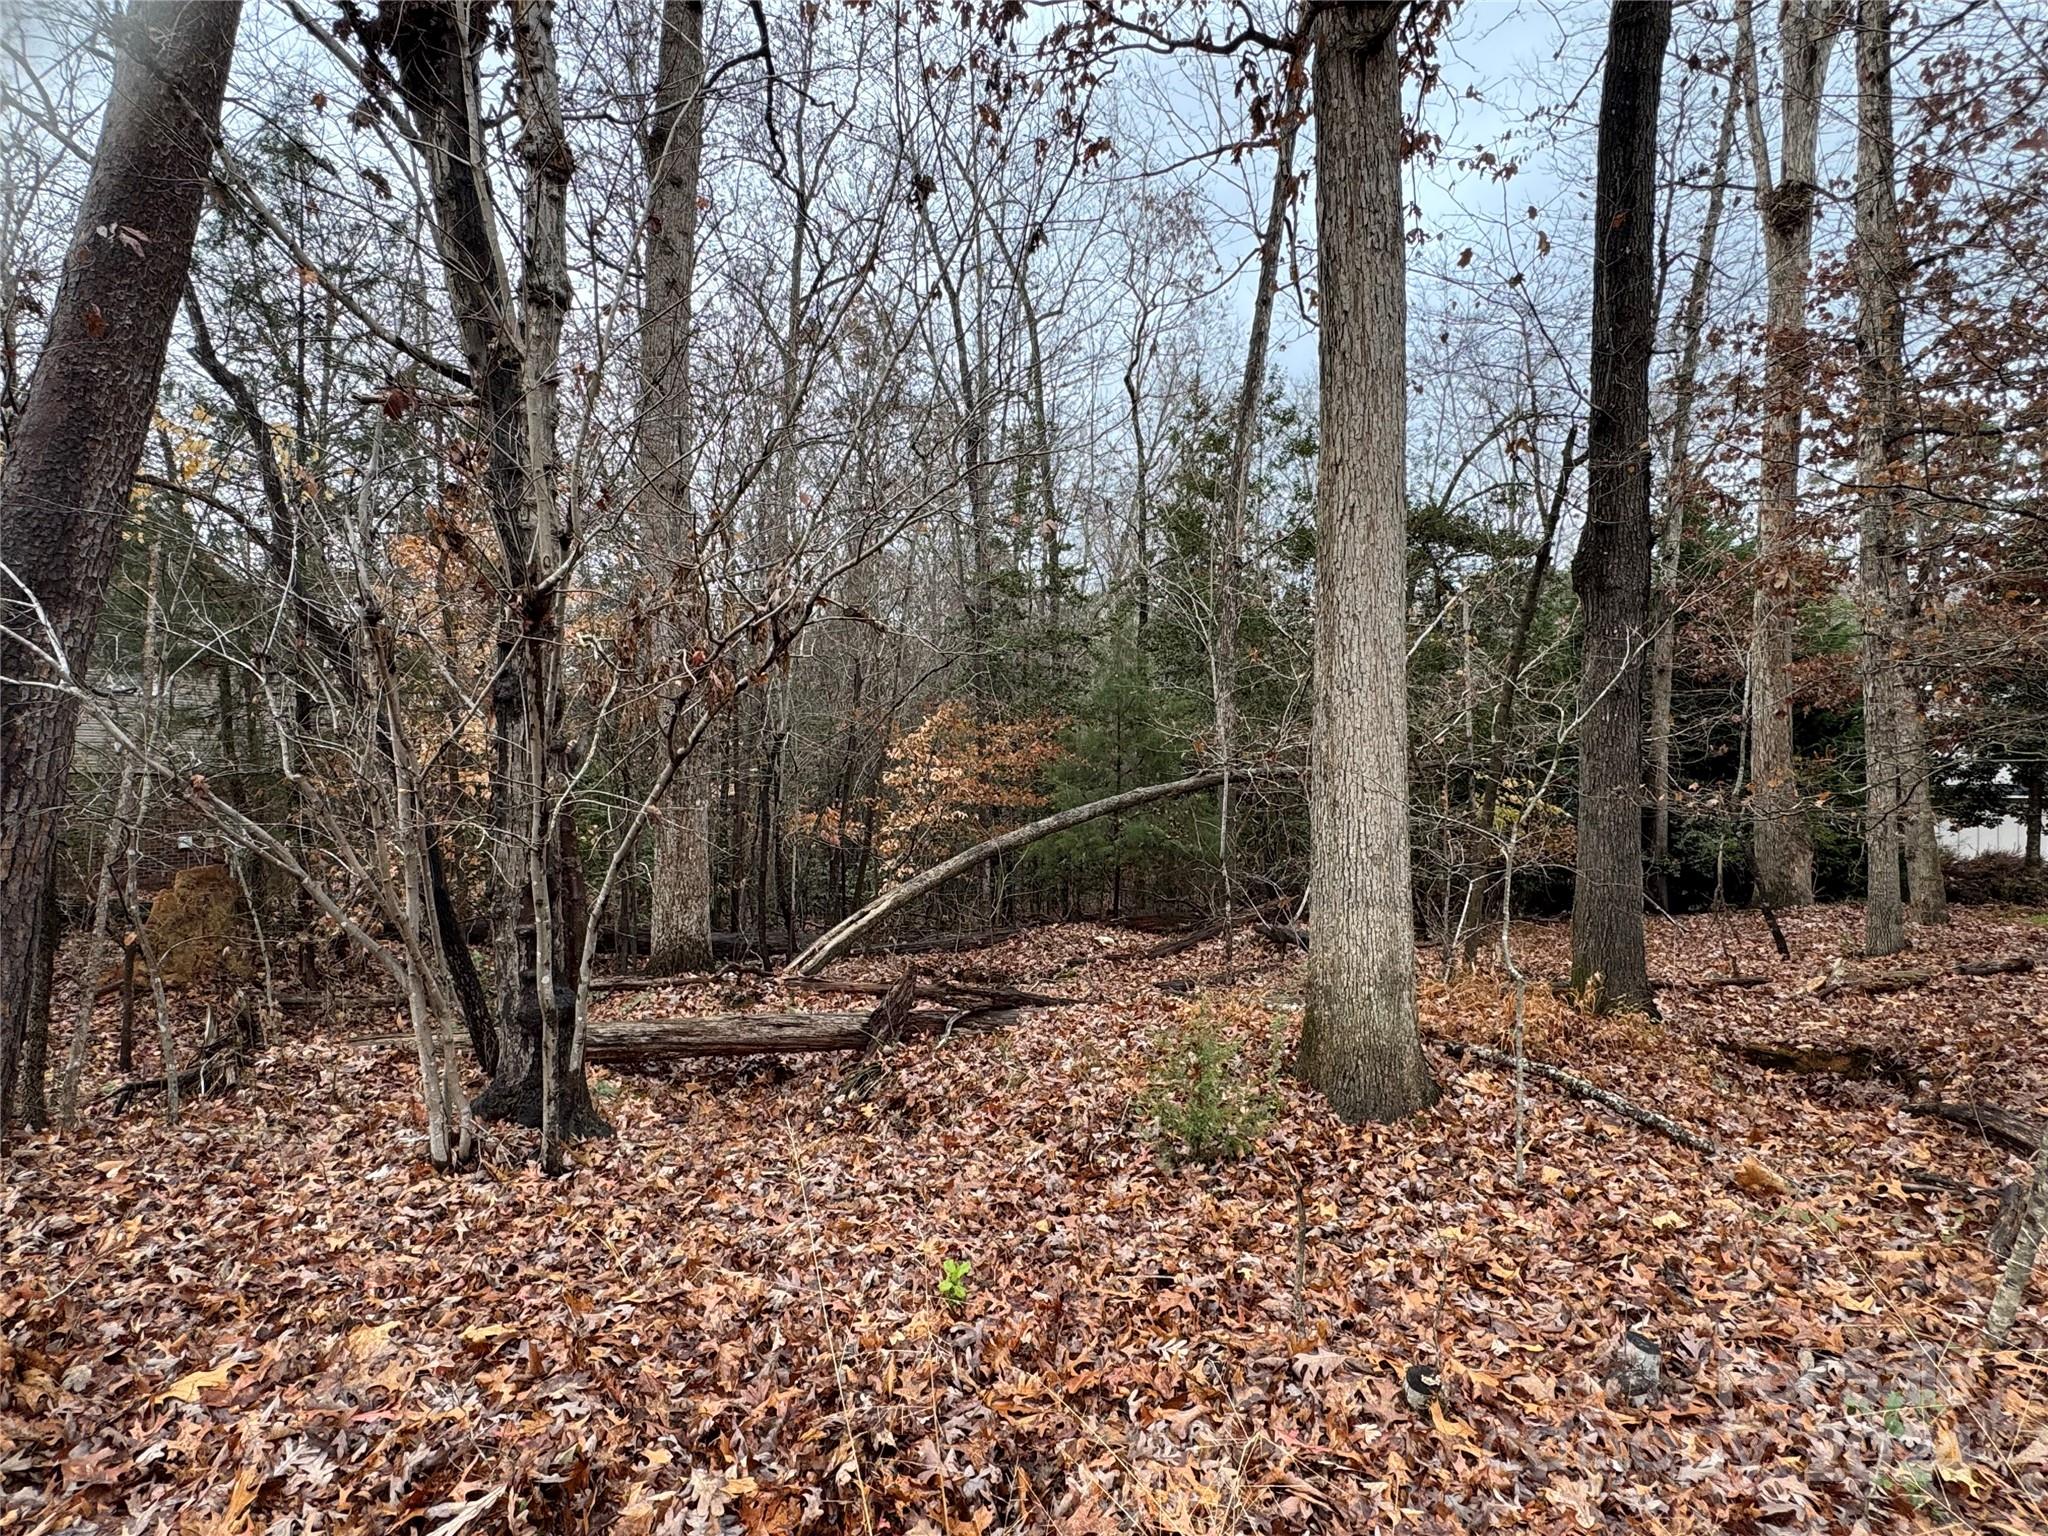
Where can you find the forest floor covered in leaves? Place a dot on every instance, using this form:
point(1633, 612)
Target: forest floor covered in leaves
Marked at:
point(730, 1316)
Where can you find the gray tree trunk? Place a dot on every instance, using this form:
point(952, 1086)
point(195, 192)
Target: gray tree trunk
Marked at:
point(1611, 569)
point(2032, 815)
point(64, 487)
point(680, 905)
point(1359, 1041)
point(1880, 348)
point(1785, 202)
point(1924, 888)
point(511, 337)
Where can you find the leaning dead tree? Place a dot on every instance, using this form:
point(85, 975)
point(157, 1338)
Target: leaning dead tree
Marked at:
point(79, 434)
point(835, 941)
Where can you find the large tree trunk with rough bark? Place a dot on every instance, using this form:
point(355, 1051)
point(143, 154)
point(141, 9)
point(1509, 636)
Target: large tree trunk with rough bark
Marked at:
point(64, 487)
point(1359, 1042)
point(1880, 348)
point(1782, 845)
point(1611, 570)
point(680, 905)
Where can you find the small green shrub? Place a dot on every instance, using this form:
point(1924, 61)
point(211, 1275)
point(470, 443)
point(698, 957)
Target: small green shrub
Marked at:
point(953, 1279)
point(1204, 1104)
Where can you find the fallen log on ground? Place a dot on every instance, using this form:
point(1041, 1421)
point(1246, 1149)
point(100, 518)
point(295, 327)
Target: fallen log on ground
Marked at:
point(1180, 943)
point(751, 1034)
point(1872, 983)
point(953, 993)
point(840, 937)
point(1858, 1063)
point(2002, 1127)
point(940, 943)
point(1579, 1087)
point(1877, 983)
point(2007, 965)
point(1214, 928)
point(1244, 970)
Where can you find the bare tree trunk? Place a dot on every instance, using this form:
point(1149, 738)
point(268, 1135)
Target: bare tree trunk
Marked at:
point(974, 399)
point(1500, 728)
point(511, 338)
point(680, 905)
point(1679, 491)
point(1880, 346)
point(1141, 489)
point(1611, 570)
point(79, 1045)
point(75, 444)
point(1924, 884)
point(149, 690)
point(2032, 816)
point(31, 1095)
point(453, 935)
point(565, 1106)
point(1806, 34)
point(1359, 1041)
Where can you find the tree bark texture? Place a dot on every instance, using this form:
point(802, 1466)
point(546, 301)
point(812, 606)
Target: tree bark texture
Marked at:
point(2012, 1287)
point(1782, 846)
point(1359, 1042)
point(1880, 566)
point(64, 487)
point(1926, 893)
point(1611, 569)
point(32, 1094)
point(680, 905)
point(511, 341)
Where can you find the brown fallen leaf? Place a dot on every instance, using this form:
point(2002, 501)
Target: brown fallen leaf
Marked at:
point(186, 1389)
point(1758, 1179)
point(248, 1482)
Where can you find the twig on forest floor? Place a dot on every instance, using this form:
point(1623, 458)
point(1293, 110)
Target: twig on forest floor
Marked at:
point(1581, 1088)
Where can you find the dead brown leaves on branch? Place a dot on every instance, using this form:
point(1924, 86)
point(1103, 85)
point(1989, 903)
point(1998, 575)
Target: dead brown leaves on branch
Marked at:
point(982, 1300)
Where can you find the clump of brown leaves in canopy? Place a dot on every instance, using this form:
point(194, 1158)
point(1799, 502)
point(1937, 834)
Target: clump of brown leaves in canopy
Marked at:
point(740, 1314)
